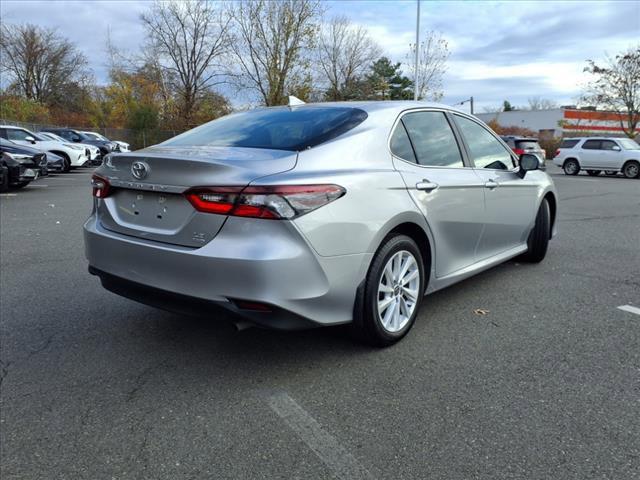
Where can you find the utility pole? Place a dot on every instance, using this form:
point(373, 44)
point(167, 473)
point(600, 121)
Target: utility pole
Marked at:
point(415, 81)
point(471, 105)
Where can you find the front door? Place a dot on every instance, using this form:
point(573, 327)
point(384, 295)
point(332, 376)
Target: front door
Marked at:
point(509, 200)
point(448, 192)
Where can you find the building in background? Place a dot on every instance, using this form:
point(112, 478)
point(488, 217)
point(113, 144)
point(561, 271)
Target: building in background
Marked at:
point(561, 122)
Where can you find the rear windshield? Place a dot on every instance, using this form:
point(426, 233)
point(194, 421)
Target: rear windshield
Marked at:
point(280, 128)
point(569, 143)
point(527, 144)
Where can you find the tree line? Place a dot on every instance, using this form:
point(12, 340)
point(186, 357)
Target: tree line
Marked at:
point(197, 54)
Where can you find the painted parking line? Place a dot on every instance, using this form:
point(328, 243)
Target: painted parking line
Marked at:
point(630, 309)
point(324, 445)
point(8, 194)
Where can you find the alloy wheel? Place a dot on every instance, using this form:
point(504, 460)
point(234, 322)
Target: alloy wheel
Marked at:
point(398, 291)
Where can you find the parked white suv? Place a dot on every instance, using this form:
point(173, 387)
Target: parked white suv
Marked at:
point(73, 155)
point(595, 154)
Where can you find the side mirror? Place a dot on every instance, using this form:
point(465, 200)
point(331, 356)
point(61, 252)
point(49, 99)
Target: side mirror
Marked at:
point(30, 139)
point(528, 162)
point(76, 139)
point(615, 148)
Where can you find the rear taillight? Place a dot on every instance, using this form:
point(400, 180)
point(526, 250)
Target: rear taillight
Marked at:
point(557, 153)
point(101, 186)
point(271, 202)
point(519, 151)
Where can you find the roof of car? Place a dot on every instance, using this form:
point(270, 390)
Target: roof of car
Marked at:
point(593, 138)
point(515, 137)
point(378, 105)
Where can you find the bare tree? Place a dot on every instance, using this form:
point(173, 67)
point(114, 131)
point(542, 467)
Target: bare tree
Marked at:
point(616, 86)
point(191, 40)
point(345, 52)
point(272, 43)
point(432, 65)
point(539, 103)
point(40, 64)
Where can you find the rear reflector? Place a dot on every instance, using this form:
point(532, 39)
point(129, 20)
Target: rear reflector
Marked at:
point(270, 202)
point(253, 306)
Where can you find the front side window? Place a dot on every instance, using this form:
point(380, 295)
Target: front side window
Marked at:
point(591, 145)
point(433, 140)
point(277, 128)
point(485, 149)
point(15, 134)
point(608, 145)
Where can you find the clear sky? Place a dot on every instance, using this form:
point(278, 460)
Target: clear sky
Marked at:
point(499, 50)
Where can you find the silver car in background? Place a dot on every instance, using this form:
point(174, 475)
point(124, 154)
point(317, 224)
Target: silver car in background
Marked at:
point(318, 214)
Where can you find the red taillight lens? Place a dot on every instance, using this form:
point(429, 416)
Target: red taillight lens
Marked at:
point(518, 151)
point(272, 202)
point(557, 153)
point(101, 186)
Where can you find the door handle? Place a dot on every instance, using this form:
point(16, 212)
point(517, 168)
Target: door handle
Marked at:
point(491, 184)
point(426, 185)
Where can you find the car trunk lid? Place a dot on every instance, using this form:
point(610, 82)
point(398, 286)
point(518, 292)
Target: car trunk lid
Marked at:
point(147, 201)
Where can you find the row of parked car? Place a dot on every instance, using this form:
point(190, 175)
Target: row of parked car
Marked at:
point(595, 155)
point(26, 155)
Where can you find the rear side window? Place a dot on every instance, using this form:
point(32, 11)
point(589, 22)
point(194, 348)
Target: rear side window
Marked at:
point(280, 128)
point(432, 139)
point(591, 145)
point(400, 144)
point(569, 143)
point(486, 151)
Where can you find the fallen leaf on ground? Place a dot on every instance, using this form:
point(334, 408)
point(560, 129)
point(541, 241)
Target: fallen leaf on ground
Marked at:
point(480, 311)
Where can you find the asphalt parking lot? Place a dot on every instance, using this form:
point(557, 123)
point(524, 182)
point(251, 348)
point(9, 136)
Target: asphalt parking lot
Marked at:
point(546, 384)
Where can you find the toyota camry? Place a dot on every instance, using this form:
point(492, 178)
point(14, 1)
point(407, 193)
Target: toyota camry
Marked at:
point(317, 214)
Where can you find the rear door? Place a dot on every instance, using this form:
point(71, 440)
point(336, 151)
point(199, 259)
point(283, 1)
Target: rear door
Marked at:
point(147, 199)
point(510, 201)
point(445, 188)
point(590, 154)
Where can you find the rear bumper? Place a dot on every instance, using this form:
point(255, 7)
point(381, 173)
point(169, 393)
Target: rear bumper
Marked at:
point(275, 318)
point(253, 260)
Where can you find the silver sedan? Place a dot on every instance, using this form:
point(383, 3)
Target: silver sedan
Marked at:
point(318, 214)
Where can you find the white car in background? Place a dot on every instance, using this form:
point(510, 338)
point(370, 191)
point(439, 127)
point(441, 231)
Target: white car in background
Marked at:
point(595, 154)
point(93, 151)
point(73, 154)
point(124, 147)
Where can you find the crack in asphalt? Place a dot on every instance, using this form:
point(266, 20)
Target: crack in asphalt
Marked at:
point(609, 217)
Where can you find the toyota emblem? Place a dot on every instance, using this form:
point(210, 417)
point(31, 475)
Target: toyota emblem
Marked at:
point(139, 170)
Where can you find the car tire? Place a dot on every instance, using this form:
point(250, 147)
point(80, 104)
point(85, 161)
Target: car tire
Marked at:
point(631, 169)
point(384, 311)
point(66, 162)
point(4, 186)
point(594, 173)
point(571, 167)
point(538, 240)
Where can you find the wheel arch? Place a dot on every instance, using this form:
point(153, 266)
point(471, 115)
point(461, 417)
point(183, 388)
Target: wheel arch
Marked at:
point(564, 162)
point(627, 162)
point(553, 208)
point(61, 154)
point(414, 226)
